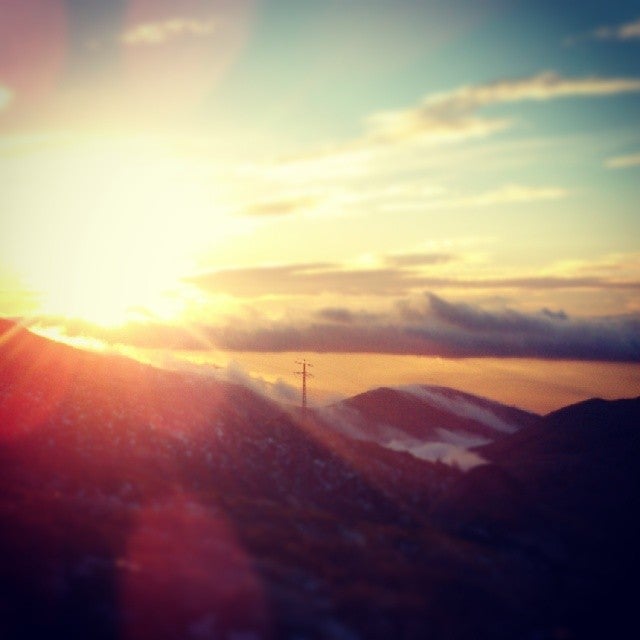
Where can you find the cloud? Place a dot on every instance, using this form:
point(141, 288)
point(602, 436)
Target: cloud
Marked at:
point(419, 259)
point(455, 114)
point(452, 330)
point(280, 391)
point(507, 194)
point(280, 207)
point(391, 140)
point(449, 447)
point(624, 31)
point(398, 276)
point(344, 315)
point(511, 194)
point(468, 330)
point(146, 335)
point(623, 162)
point(163, 31)
point(462, 406)
point(6, 96)
point(336, 314)
point(302, 279)
point(434, 327)
point(445, 452)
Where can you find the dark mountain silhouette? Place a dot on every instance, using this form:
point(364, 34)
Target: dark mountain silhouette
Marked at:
point(565, 490)
point(137, 502)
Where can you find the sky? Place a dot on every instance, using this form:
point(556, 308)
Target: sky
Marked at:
point(400, 191)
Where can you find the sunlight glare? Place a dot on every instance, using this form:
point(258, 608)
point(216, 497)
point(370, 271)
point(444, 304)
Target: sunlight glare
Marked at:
point(110, 231)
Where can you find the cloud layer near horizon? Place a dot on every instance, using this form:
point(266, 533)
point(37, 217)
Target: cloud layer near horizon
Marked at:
point(434, 327)
point(398, 275)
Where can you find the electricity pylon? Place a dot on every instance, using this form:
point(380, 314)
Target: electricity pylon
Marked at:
point(305, 374)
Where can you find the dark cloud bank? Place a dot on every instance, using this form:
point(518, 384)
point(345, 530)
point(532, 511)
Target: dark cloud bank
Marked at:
point(436, 327)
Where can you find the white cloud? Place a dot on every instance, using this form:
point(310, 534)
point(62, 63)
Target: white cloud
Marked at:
point(464, 407)
point(160, 32)
point(393, 141)
point(440, 451)
point(623, 162)
point(418, 123)
point(450, 448)
point(455, 114)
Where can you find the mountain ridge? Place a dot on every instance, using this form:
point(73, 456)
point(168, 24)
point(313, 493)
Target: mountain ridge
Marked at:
point(139, 498)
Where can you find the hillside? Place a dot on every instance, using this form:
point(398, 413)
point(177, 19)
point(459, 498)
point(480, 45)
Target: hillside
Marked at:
point(137, 502)
point(430, 422)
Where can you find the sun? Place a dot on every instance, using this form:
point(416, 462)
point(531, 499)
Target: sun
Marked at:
point(108, 279)
point(108, 231)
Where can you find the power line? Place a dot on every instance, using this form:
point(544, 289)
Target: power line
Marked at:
point(304, 374)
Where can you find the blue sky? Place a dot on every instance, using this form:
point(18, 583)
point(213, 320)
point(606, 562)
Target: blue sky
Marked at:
point(323, 65)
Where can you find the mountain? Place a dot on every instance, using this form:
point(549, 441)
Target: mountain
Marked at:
point(580, 464)
point(430, 422)
point(137, 502)
point(564, 490)
point(87, 407)
point(97, 450)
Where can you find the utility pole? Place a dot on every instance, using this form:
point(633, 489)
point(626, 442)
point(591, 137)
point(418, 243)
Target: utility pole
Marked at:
point(305, 374)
